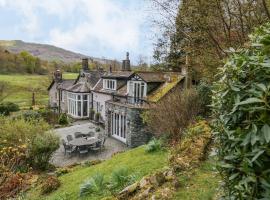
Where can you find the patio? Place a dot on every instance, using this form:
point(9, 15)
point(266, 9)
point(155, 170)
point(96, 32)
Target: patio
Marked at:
point(111, 145)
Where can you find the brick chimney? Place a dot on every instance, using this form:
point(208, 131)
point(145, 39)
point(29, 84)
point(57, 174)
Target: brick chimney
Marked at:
point(126, 64)
point(85, 64)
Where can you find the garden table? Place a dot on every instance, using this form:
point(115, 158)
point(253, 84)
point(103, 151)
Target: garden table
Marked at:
point(83, 141)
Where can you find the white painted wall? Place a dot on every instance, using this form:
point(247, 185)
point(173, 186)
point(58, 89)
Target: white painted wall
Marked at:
point(101, 98)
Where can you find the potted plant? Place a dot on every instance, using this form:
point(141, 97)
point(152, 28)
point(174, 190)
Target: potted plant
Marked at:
point(92, 114)
point(97, 117)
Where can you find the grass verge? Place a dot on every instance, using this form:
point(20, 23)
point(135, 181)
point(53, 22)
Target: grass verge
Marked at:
point(137, 161)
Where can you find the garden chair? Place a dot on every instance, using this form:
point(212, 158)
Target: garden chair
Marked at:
point(78, 135)
point(90, 134)
point(69, 138)
point(99, 145)
point(83, 150)
point(68, 148)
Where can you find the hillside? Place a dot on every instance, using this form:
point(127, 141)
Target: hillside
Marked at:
point(47, 52)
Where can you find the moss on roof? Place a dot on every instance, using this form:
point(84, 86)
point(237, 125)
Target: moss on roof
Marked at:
point(164, 88)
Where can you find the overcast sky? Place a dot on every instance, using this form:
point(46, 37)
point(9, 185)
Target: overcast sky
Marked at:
point(98, 28)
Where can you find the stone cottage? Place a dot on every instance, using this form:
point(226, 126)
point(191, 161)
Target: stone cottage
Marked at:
point(119, 97)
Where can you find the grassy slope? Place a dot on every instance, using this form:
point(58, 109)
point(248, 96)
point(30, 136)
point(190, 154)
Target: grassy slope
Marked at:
point(199, 184)
point(136, 160)
point(21, 87)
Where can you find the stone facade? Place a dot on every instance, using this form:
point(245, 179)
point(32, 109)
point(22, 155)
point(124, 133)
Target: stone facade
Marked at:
point(136, 133)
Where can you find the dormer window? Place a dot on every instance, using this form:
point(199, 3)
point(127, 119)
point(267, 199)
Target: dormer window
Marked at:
point(109, 84)
point(137, 90)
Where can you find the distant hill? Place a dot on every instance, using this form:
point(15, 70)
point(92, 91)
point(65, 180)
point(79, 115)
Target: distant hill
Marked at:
point(47, 52)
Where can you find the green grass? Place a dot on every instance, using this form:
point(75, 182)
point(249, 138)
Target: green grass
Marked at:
point(70, 75)
point(20, 88)
point(199, 184)
point(136, 160)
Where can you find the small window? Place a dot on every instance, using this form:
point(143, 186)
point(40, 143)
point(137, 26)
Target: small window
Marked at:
point(109, 84)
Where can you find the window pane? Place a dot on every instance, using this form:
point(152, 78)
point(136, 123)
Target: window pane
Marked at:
point(85, 108)
point(85, 97)
point(79, 108)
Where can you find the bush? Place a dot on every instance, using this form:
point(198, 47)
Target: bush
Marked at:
point(97, 117)
point(50, 184)
point(33, 135)
point(7, 107)
point(153, 145)
point(41, 149)
point(31, 115)
point(178, 108)
point(242, 120)
point(96, 184)
point(205, 94)
point(120, 178)
point(63, 119)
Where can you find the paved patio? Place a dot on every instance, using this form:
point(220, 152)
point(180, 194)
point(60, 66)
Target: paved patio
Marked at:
point(112, 146)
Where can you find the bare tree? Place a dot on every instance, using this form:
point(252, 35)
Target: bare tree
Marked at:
point(172, 114)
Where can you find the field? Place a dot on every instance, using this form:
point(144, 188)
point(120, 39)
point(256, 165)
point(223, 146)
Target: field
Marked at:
point(21, 87)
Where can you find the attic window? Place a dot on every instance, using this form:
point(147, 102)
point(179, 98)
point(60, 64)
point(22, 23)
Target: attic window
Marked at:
point(109, 84)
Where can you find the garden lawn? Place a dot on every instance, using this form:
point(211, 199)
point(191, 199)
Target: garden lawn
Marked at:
point(199, 184)
point(20, 88)
point(136, 160)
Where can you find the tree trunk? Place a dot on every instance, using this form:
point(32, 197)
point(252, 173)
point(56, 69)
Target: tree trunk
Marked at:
point(33, 99)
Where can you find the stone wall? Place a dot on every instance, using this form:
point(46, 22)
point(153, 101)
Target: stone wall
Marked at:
point(136, 132)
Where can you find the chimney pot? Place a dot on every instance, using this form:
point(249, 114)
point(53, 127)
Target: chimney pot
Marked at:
point(85, 64)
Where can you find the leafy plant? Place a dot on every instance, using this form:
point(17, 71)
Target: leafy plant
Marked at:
point(242, 119)
point(50, 184)
point(7, 107)
point(153, 145)
point(63, 119)
point(41, 150)
point(120, 177)
point(96, 184)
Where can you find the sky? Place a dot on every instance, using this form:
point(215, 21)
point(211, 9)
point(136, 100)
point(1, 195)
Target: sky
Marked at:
point(99, 28)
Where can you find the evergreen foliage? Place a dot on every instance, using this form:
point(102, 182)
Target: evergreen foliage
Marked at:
point(242, 119)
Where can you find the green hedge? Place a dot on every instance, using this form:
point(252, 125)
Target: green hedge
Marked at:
point(241, 109)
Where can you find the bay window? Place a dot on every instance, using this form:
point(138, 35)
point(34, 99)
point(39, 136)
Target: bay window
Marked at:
point(78, 105)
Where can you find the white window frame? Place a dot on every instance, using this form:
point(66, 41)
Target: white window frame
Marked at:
point(109, 84)
point(131, 85)
point(72, 102)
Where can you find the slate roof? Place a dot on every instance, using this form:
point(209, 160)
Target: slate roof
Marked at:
point(93, 77)
point(118, 74)
point(65, 83)
point(81, 87)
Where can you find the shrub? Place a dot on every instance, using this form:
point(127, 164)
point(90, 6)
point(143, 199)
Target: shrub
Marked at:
point(205, 94)
point(31, 115)
point(96, 184)
point(178, 108)
point(120, 178)
point(242, 119)
point(32, 134)
point(41, 150)
point(63, 119)
point(97, 117)
point(7, 107)
point(153, 145)
point(97, 129)
point(12, 185)
point(50, 184)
